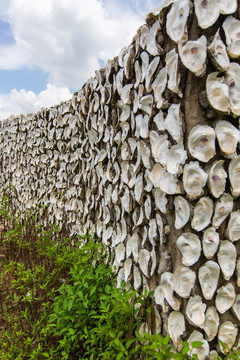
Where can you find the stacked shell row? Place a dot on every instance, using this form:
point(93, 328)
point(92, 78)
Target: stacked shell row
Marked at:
point(122, 158)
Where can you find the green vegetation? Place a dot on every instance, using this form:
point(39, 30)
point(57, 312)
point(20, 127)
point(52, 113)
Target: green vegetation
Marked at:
point(59, 300)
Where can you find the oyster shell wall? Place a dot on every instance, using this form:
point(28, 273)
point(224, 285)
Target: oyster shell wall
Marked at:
point(147, 156)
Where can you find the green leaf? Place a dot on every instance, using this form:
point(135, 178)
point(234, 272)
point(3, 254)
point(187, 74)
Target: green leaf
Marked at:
point(196, 344)
point(45, 354)
point(185, 348)
point(70, 304)
point(166, 340)
point(112, 334)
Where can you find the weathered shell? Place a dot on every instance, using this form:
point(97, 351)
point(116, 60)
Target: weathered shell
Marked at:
point(201, 142)
point(217, 179)
point(233, 229)
point(227, 136)
point(231, 27)
point(207, 12)
point(228, 6)
point(211, 323)
point(210, 242)
point(137, 278)
point(194, 179)
point(208, 276)
point(238, 272)
point(234, 171)
point(218, 93)
point(218, 53)
point(201, 351)
point(143, 261)
point(173, 72)
point(225, 298)
point(232, 79)
point(176, 327)
point(202, 214)
point(227, 255)
point(182, 211)
point(190, 248)
point(236, 307)
point(167, 182)
point(183, 280)
point(193, 55)
point(195, 310)
point(175, 157)
point(227, 334)
point(177, 21)
point(222, 209)
point(173, 122)
point(159, 86)
point(160, 200)
point(165, 291)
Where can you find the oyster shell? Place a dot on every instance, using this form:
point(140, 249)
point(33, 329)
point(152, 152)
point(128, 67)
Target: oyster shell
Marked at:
point(137, 278)
point(190, 248)
point(232, 79)
point(233, 229)
point(159, 86)
point(227, 136)
point(194, 179)
point(228, 6)
point(201, 351)
point(132, 246)
point(201, 142)
point(202, 214)
point(175, 156)
point(173, 71)
point(208, 276)
point(173, 122)
point(195, 310)
point(211, 323)
point(167, 182)
point(238, 272)
point(143, 261)
point(234, 171)
point(236, 307)
point(227, 255)
point(231, 27)
point(183, 280)
point(218, 53)
point(193, 55)
point(227, 334)
point(222, 209)
point(207, 12)
point(165, 291)
point(176, 25)
point(210, 242)
point(176, 327)
point(217, 179)
point(182, 211)
point(225, 298)
point(218, 93)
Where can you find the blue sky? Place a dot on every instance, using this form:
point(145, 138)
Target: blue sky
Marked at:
point(49, 48)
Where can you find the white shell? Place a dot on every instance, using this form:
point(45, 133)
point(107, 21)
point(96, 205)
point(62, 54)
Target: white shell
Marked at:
point(238, 272)
point(173, 72)
point(182, 211)
point(143, 261)
point(231, 27)
point(173, 122)
point(175, 157)
point(217, 179)
point(232, 79)
point(159, 146)
point(233, 229)
point(167, 182)
point(190, 248)
point(207, 12)
point(218, 53)
point(227, 136)
point(218, 93)
point(202, 214)
point(234, 171)
point(225, 298)
point(132, 246)
point(177, 20)
point(183, 280)
point(159, 86)
point(195, 310)
point(236, 307)
point(165, 291)
point(227, 255)
point(137, 278)
point(210, 242)
point(211, 323)
point(227, 334)
point(194, 179)
point(228, 6)
point(176, 327)
point(222, 209)
point(208, 276)
point(193, 55)
point(201, 142)
point(201, 351)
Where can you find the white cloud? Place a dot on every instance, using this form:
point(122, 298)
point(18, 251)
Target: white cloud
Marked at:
point(24, 102)
point(66, 37)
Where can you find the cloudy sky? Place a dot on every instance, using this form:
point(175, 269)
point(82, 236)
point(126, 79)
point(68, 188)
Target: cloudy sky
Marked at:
point(49, 48)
